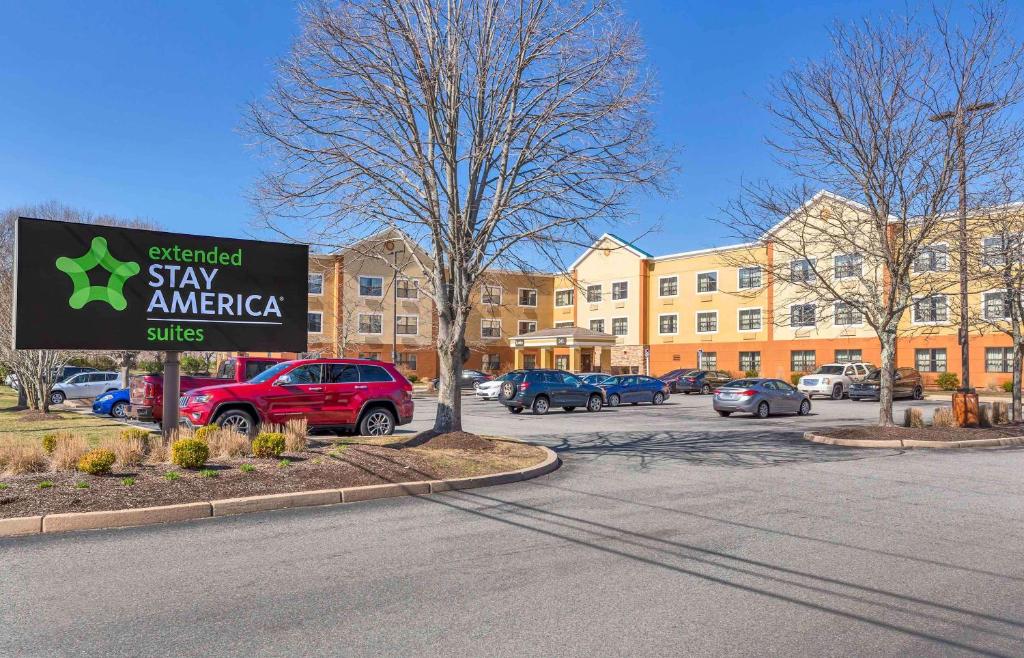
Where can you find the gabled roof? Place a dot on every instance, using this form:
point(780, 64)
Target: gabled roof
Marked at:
point(625, 244)
point(822, 194)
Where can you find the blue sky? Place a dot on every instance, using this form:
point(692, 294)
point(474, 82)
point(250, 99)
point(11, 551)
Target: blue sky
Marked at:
point(133, 108)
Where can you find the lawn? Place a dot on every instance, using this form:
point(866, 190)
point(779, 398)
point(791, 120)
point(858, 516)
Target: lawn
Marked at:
point(21, 423)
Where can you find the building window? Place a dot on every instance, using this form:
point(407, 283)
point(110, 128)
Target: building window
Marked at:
point(707, 322)
point(620, 326)
point(370, 323)
point(668, 286)
point(930, 360)
point(998, 359)
point(801, 315)
point(846, 315)
point(316, 284)
point(801, 271)
point(750, 277)
point(527, 327)
point(707, 281)
point(993, 251)
point(372, 356)
point(564, 297)
point(562, 362)
point(847, 266)
point(933, 258)
point(492, 362)
point(491, 295)
point(668, 324)
point(408, 325)
point(620, 290)
point(529, 361)
point(594, 293)
point(407, 289)
point(750, 319)
point(801, 360)
point(371, 286)
point(931, 309)
point(490, 328)
point(562, 325)
point(406, 360)
point(750, 361)
point(597, 325)
point(314, 322)
point(849, 356)
point(994, 306)
point(527, 296)
point(708, 361)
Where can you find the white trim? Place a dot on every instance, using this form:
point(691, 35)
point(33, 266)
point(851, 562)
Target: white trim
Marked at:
point(756, 266)
point(490, 320)
point(587, 292)
point(666, 315)
point(608, 236)
point(822, 194)
point(359, 323)
point(359, 289)
point(710, 250)
point(802, 326)
point(501, 293)
point(852, 276)
point(835, 314)
point(612, 326)
point(321, 314)
point(612, 286)
point(929, 246)
point(563, 324)
point(519, 298)
point(928, 323)
point(400, 316)
point(812, 269)
point(407, 279)
point(696, 282)
point(668, 276)
point(590, 322)
point(696, 322)
point(519, 327)
point(570, 304)
point(760, 318)
point(315, 294)
point(1001, 291)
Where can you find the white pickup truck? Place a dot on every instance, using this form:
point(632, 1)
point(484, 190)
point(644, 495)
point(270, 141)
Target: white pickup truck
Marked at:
point(833, 380)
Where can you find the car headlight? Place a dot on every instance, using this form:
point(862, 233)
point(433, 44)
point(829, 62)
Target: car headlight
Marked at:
point(826, 380)
point(200, 399)
point(104, 398)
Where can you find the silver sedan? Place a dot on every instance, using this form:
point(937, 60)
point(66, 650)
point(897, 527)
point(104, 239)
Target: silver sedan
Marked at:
point(760, 397)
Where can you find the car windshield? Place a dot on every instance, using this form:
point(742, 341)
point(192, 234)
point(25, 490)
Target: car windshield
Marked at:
point(829, 370)
point(270, 373)
point(874, 375)
point(742, 383)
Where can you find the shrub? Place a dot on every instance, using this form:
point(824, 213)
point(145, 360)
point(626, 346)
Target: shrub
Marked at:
point(45, 484)
point(247, 468)
point(128, 481)
point(1008, 386)
point(413, 379)
point(81, 484)
point(912, 417)
point(794, 379)
point(151, 367)
point(225, 443)
point(948, 381)
point(49, 443)
point(204, 432)
point(97, 462)
point(129, 449)
point(208, 473)
point(69, 449)
point(284, 463)
point(171, 476)
point(20, 455)
point(2, 486)
point(943, 417)
point(750, 374)
point(268, 445)
point(130, 433)
point(189, 453)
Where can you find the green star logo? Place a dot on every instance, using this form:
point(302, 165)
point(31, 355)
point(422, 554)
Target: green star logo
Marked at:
point(97, 256)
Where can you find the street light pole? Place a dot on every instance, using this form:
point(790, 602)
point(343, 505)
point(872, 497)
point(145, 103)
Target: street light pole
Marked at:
point(394, 308)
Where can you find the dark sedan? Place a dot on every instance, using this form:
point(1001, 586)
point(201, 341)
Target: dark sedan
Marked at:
point(695, 381)
point(470, 378)
point(634, 389)
point(906, 383)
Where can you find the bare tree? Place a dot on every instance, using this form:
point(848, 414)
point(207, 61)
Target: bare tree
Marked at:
point(485, 131)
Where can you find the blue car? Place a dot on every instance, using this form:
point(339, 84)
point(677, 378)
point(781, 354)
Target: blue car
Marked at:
point(634, 389)
point(113, 403)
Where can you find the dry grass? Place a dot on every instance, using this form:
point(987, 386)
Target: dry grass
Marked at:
point(913, 417)
point(129, 449)
point(227, 444)
point(294, 432)
point(70, 447)
point(22, 455)
point(157, 450)
point(943, 417)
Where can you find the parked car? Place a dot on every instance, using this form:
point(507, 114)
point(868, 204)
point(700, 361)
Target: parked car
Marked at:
point(113, 403)
point(59, 375)
point(342, 395)
point(634, 389)
point(488, 390)
point(595, 378)
point(834, 379)
point(695, 381)
point(84, 385)
point(539, 390)
point(672, 378)
point(760, 397)
point(470, 378)
point(906, 383)
point(147, 391)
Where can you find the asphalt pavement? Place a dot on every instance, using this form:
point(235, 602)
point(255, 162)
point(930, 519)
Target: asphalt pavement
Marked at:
point(668, 531)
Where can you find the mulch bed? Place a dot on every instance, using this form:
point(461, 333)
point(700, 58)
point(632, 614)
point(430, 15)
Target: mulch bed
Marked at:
point(869, 433)
point(323, 466)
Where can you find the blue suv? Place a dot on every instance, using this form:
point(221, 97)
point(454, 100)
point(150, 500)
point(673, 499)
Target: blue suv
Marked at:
point(539, 390)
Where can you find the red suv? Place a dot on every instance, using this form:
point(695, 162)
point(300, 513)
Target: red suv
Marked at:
point(336, 394)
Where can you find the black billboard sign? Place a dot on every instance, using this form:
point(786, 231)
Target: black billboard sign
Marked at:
point(83, 286)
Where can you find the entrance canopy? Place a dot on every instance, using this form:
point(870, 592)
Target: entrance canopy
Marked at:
point(576, 347)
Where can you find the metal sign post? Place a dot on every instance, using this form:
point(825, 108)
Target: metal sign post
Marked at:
point(172, 390)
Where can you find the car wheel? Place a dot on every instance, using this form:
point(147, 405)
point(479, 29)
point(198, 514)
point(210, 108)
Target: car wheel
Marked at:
point(613, 400)
point(540, 405)
point(377, 422)
point(918, 393)
point(119, 410)
point(515, 410)
point(762, 410)
point(569, 409)
point(594, 403)
point(705, 389)
point(724, 414)
point(237, 420)
point(659, 397)
point(837, 392)
point(805, 408)
point(57, 397)
point(686, 392)
point(507, 391)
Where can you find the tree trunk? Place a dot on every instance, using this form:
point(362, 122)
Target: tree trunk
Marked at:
point(450, 351)
point(888, 368)
point(1018, 357)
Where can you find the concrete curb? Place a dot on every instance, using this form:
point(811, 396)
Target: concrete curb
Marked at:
point(912, 443)
point(49, 523)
